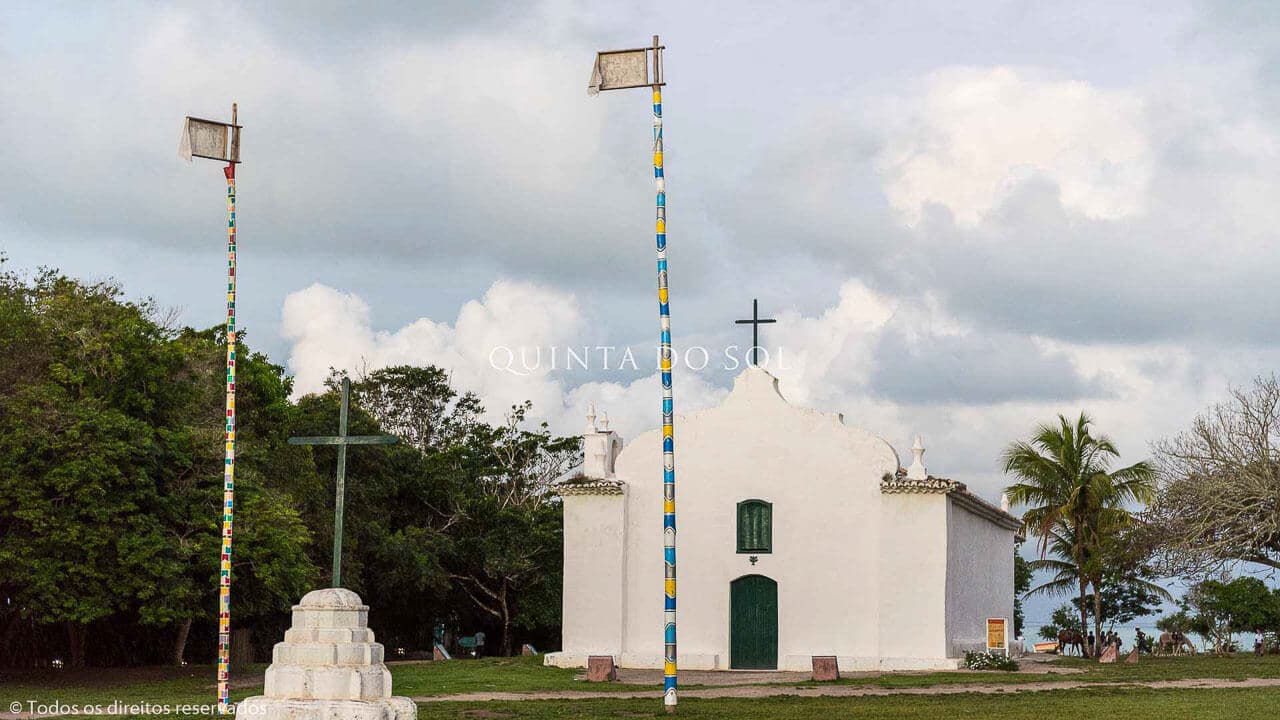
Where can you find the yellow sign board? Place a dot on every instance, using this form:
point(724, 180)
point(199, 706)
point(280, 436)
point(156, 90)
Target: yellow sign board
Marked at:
point(997, 634)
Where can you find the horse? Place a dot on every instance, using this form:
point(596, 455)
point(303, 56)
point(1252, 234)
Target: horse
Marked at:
point(1175, 643)
point(1067, 638)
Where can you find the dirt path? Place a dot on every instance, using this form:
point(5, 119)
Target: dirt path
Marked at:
point(755, 691)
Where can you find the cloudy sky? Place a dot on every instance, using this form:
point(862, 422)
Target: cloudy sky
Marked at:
point(965, 220)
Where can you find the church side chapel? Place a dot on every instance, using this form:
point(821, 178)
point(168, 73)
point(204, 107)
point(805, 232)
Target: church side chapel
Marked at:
point(799, 536)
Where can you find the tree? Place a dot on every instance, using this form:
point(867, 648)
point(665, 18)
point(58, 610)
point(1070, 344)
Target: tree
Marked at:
point(418, 405)
point(80, 453)
point(1219, 609)
point(1065, 617)
point(1075, 500)
point(1219, 496)
point(111, 474)
point(1125, 587)
point(1022, 575)
point(1178, 622)
point(111, 468)
point(507, 556)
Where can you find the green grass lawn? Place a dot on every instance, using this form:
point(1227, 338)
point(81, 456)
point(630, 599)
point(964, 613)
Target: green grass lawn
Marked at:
point(1130, 704)
point(101, 686)
point(1148, 669)
point(195, 685)
point(515, 674)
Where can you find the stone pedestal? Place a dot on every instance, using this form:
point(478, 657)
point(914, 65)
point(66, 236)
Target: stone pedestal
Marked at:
point(328, 667)
point(825, 668)
point(600, 668)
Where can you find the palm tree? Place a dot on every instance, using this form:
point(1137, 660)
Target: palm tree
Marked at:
point(1075, 502)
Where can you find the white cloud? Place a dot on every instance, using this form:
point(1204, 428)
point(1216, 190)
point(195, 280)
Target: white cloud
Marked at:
point(328, 328)
point(492, 348)
point(972, 135)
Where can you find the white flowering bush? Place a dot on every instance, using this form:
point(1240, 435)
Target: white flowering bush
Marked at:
point(989, 661)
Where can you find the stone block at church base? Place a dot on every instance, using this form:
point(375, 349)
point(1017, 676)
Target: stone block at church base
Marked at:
point(825, 668)
point(328, 667)
point(600, 668)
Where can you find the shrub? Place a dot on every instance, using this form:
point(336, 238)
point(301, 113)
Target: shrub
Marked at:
point(989, 661)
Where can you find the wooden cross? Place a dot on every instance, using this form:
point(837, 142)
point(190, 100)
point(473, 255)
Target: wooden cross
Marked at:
point(342, 440)
point(755, 322)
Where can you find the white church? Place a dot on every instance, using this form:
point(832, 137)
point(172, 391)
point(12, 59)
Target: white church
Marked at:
point(798, 536)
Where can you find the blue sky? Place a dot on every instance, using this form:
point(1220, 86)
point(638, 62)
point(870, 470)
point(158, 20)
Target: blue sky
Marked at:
point(967, 218)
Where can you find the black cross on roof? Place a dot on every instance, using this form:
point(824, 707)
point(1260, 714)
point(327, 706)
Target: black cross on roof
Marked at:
point(755, 322)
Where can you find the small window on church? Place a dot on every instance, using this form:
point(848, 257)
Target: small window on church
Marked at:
point(755, 526)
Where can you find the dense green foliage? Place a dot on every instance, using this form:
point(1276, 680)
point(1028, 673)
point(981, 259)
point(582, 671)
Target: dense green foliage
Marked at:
point(1022, 575)
point(1217, 610)
point(110, 480)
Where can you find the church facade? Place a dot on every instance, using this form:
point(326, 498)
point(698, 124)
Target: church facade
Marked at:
point(798, 536)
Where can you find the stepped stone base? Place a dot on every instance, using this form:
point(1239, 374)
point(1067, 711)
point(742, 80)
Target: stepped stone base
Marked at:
point(328, 667)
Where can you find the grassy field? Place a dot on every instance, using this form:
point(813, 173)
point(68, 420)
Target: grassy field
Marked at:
point(194, 685)
point(1149, 669)
point(1134, 704)
point(1130, 704)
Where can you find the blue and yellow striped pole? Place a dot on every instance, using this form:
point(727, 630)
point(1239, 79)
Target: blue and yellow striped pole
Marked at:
point(616, 70)
point(668, 417)
point(668, 407)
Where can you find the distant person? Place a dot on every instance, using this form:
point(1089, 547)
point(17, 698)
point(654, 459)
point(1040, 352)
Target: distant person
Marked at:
point(1142, 641)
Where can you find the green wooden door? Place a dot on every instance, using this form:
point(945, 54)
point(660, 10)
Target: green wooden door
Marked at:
point(753, 626)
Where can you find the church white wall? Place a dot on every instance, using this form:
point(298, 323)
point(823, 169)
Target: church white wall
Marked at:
point(913, 571)
point(594, 599)
point(823, 480)
point(979, 578)
point(890, 581)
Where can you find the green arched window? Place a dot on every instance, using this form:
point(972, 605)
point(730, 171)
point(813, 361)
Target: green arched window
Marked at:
point(755, 526)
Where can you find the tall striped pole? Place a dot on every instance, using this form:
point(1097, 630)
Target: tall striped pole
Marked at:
point(620, 70)
point(216, 140)
point(229, 464)
point(668, 405)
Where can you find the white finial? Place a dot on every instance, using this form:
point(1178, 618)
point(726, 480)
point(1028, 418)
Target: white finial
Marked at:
point(591, 417)
point(604, 423)
point(1004, 502)
point(917, 471)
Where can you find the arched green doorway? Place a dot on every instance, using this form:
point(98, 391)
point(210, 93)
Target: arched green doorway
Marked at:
point(753, 623)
